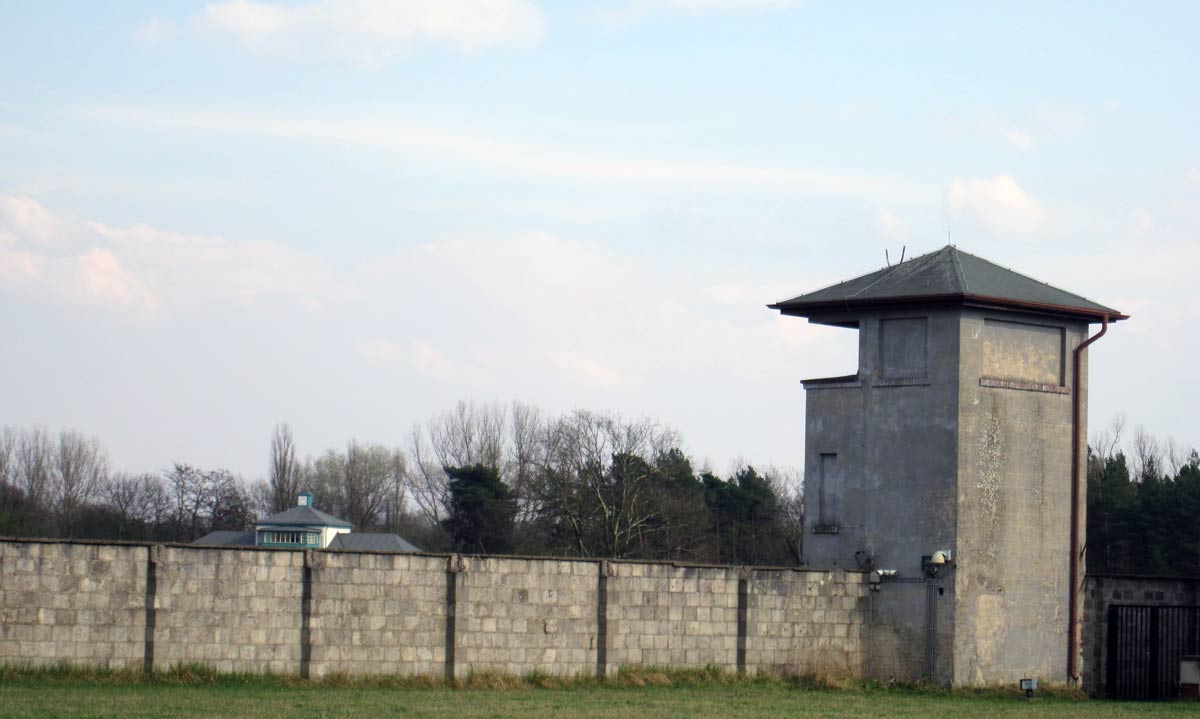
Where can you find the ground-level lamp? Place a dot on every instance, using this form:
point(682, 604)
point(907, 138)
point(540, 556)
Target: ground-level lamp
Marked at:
point(1027, 686)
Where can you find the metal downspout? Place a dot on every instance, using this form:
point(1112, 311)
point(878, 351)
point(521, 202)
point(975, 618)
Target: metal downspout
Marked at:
point(1073, 595)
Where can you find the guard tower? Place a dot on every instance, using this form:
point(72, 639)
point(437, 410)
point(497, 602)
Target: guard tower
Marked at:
point(950, 462)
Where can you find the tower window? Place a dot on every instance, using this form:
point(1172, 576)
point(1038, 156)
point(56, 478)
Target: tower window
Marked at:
point(903, 348)
point(829, 488)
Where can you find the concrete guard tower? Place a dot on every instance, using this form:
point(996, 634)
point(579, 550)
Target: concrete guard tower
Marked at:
point(950, 464)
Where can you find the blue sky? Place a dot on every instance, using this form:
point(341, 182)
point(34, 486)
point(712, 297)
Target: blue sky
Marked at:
point(215, 216)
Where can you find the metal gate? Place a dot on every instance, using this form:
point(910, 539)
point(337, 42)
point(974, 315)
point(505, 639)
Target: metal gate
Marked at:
point(1144, 647)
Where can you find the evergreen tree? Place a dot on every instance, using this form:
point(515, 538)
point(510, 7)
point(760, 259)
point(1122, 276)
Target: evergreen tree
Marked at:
point(482, 510)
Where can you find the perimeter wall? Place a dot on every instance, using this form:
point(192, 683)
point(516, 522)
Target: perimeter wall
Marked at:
point(311, 613)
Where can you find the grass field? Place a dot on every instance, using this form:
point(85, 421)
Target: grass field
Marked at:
point(66, 694)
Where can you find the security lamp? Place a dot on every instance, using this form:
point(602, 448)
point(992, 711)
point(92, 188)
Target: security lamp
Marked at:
point(932, 563)
point(1027, 686)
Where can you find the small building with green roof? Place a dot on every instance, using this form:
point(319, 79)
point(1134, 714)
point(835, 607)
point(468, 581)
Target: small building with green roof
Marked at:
point(302, 526)
point(306, 527)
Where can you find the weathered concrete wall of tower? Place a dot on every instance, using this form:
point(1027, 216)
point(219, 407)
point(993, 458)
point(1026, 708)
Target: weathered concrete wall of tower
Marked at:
point(881, 451)
point(1014, 489)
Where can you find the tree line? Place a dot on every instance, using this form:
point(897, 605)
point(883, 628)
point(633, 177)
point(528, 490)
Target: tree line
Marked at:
point(485, 478)
point(490, 478)
point(1143, 506)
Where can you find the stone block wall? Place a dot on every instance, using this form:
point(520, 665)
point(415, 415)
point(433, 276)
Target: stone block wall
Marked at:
point(377, 614)
point(807, 622)
point(520, 616)
point(672, 616)
point(233, 609)
point(72, 603)
point(318, 612)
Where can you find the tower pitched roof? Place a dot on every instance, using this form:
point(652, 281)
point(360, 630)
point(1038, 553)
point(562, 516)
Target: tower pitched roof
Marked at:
point(946, 276)
point(303, 516)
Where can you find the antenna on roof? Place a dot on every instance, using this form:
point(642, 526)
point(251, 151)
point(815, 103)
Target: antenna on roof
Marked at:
point(886, 258)
point(902, 249)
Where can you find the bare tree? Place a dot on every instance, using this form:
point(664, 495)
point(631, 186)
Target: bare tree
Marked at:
point(1176, 456)
point(1147, 454)
point(368, 478)
point(427, 482)
point(12, 498)
point(284, 480)
point(598, 483)
point(204, 501)
point(788, 484)
point(395, 506)
point(526, 452)
point(137, 499)
point(186, 492)
point(365, 485)
point(33, 454)
point(469, 434)
point(8, 456)
point(1107, 442)
point(79, 469)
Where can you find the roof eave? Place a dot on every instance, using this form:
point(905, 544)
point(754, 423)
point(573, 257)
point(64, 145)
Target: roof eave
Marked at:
point(794, 308)
point(306, 525)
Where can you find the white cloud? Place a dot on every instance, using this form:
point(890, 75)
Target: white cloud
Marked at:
point(368, 33)
point(156, 31)
point(141, 270)
point(513, 156)
point(24, 217)
point(586, 369)
point(194, 268)
point(92, 278)
point(622, 15)
point(423, 358)
point(1006, 132)
point(729, 4)
point(38, 259)
point(890, 224)
point(1063, 118)
point(997, 204)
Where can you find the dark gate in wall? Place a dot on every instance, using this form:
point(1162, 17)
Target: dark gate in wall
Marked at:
point(1145, 644)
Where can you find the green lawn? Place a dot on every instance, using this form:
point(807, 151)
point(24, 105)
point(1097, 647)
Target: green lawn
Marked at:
point(45, 698)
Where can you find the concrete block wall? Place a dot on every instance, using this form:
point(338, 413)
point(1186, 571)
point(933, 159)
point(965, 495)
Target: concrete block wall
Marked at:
point(233, 609)
point(317, 612)
point(72, 603)
point(527, 615)
point(672, 616)
point(807, 622)
point(377, 614)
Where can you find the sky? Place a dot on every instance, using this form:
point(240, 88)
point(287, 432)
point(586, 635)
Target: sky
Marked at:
point(215, 216)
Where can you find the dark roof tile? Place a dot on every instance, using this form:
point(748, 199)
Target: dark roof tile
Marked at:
point(227, 538)
point(372, 542)
point(304, 516)
point(947, 275)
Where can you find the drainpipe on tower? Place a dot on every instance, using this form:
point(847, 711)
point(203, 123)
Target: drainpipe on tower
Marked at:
point(1073, 595)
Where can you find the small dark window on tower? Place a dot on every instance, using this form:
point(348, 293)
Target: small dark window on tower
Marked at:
point(903, 348)
point(829, 488)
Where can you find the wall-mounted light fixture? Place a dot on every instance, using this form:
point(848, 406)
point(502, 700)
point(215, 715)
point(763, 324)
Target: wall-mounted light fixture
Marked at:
point(931, 564)
point(1028, 686)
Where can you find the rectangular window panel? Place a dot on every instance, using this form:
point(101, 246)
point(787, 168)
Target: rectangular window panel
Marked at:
point(1024, 352)
point(903, 346)
point(828, 491)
